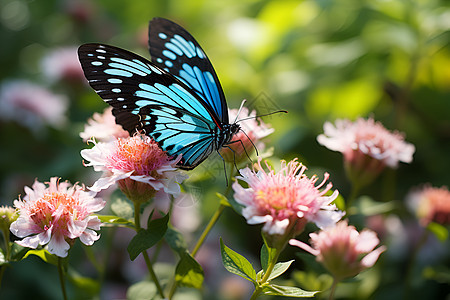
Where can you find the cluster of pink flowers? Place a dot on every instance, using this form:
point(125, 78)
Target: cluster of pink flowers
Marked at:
point(55, 215)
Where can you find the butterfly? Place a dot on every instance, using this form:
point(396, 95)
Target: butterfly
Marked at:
point(176, 98)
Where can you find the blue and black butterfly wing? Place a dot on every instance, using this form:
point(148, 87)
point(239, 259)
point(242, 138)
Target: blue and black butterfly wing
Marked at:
point(173, 49)
point(146, 98)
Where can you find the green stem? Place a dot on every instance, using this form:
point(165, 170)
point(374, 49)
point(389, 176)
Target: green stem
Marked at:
point(353, 195)
point(61, 277)
point(333, 288)
point(266, 276)
point(208, 227)
point(137, 224)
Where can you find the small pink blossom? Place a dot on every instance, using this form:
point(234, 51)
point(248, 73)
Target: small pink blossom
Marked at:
point(103, 127)
point(343, 250)
point(63, 64)
point(431, 204)
point(285, 198)
point(137, 164)
point(367, 146)
point(56, 215)
point(250, 135)
point(31, 105)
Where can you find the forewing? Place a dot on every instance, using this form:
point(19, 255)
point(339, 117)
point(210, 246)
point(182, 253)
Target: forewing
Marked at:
point(147, 98)
point(173, 49)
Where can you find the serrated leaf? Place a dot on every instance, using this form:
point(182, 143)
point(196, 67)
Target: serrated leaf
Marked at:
point(287, 291)
point(147, 238)
point(279, 269)
point(175, 240)
point(237, 264)
point(441, 232)
point(189, 272)
point(44, 255)
point(121, 206)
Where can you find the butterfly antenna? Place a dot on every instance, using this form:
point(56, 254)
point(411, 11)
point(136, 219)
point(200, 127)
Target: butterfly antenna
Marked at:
point(239, 111)
point(263, 115)
point(253, 144)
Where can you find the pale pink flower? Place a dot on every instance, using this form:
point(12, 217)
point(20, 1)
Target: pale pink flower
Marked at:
point(431, 204)
point(367, 146)
point(31, 105)
point(250, 135)
point(343, 250)
point(55, 215)
point(62, 64)
point(137, 164)
point(103, 127)
point(285, 198)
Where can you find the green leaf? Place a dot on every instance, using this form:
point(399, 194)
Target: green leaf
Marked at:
point(121, 206)
point(175, 240)
point(441, 232)
point(115, 220)
point(287, 291)
point(189, 272)
point(44, 255)
point(85, 284)
point(279, 269)
point(237, 264)
point(142, 290)
point(147, 238)
point(2, 258)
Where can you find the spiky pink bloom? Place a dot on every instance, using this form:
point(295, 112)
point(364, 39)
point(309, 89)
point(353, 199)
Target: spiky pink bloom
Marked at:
point(250, 135)
point(56, 215)
point(367, 146)
point(137, 164)
point(62, 64)
point(31, 105)
point(431, 204)
point(103, 127)
point(285, 198)
point(343, 250)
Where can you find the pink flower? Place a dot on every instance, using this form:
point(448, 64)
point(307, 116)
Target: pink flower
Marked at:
point(31, 105)
point(343, 250)
point(56, 215)
point(103, 127)
point(367, 147)
point(285, 198)
point(431, 204)
point(252, 130)
point(137, 164)
point(63, 64)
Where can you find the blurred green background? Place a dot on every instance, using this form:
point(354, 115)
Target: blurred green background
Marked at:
point(320, 60)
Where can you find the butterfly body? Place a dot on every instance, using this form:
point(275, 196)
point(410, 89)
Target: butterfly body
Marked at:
point(176, 99)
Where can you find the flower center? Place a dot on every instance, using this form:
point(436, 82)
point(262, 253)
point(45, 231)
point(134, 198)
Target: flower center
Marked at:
point(138, 154)
point(54, 208)
point(278, 197)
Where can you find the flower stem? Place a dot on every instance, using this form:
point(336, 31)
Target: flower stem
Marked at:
point(137, 224)
point(333, 288)
point(411, 261)
point(61, 277)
